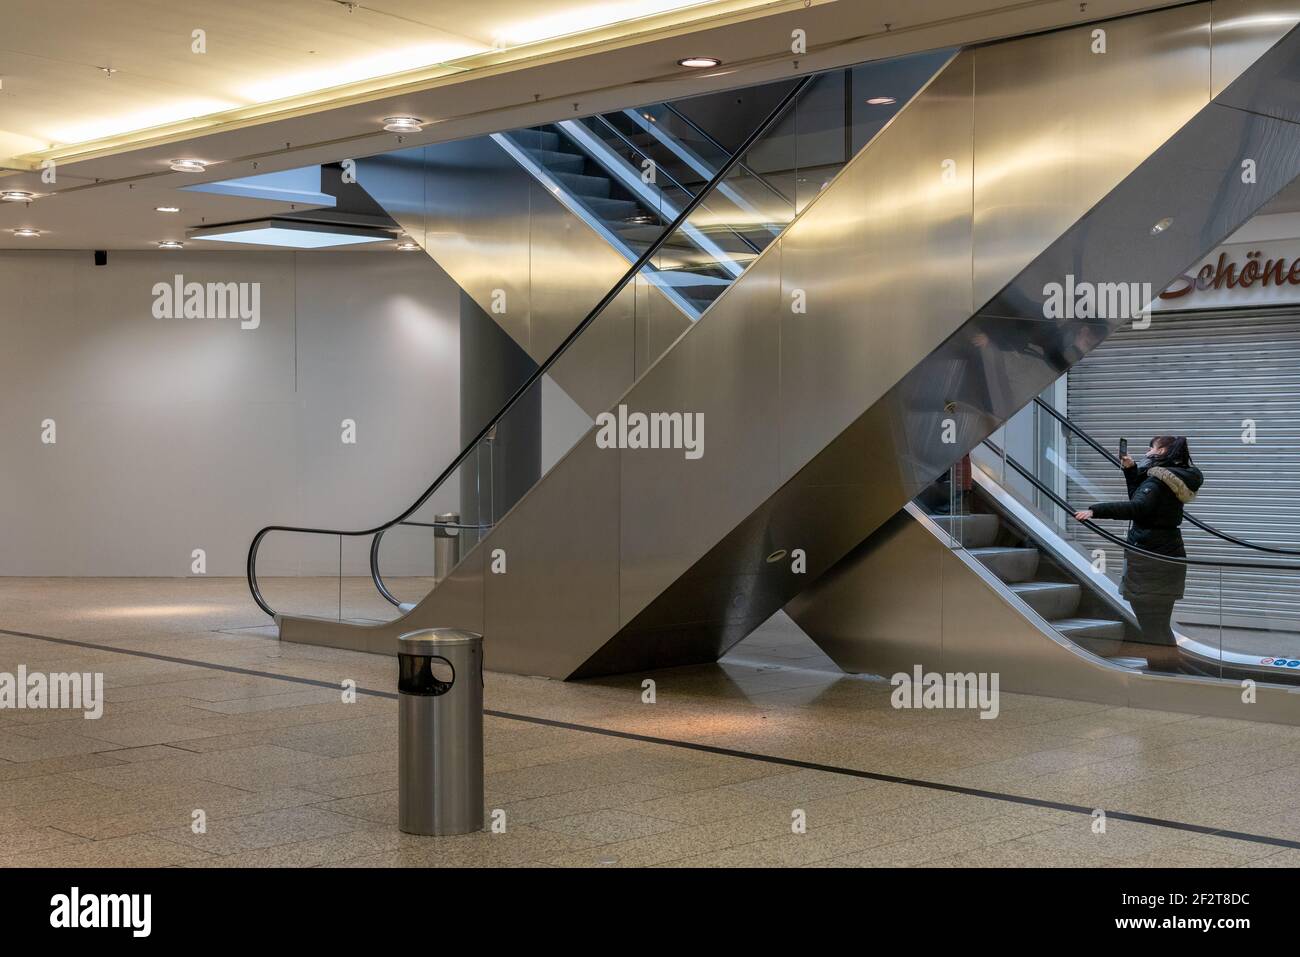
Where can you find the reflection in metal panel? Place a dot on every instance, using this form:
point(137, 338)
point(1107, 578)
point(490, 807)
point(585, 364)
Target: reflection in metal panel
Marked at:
point(517, 251)
point(912, 359)
point(906, 597)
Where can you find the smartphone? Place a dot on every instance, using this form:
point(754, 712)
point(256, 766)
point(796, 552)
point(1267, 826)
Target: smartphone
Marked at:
point(1123, 447)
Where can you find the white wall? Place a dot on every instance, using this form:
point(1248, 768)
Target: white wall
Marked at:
point(176, 434)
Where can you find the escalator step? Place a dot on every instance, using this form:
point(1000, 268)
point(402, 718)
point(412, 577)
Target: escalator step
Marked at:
point(556, 161)
point(973, 531)
point(536, 139)
point(588, 187)
point(1053, 600)
point(610, 209)
point(1009, 564)
point(1090, 628)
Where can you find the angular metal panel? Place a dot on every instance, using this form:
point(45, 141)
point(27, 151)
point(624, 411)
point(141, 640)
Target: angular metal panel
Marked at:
point(468, 204)
point(1057, 126)
point(601, 364)
point(883, 270)
point(727, 370)
point(876, 612)
point(558, 597)
point(522, 256)
point(1241, 31)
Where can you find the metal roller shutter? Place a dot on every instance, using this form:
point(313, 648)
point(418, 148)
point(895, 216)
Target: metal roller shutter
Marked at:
point(1203, 374)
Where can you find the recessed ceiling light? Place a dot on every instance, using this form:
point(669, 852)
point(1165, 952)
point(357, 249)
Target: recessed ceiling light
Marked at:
point(26, 232)
point(408, 245)
point(188, 166)
point(171, 244)
point(699, 62)
point(1161, 226)
point(167, 209)
point(17, 196)
point(403, 124)
point(881, 101)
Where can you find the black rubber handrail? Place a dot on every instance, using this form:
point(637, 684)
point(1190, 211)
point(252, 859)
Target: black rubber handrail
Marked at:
point(535, 377)
point(709, 138)
point(1114, 460)
point(1037, 483)
point(753, 247)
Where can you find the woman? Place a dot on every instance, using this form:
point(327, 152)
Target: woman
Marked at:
point(1158, 488)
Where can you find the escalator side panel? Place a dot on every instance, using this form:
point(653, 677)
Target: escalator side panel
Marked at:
point(982, 373)
point(877, 612)
point(1039, 93)
point(1242, 30)
point(884, 270)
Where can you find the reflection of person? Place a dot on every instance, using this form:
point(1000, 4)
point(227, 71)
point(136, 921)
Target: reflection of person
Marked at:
point(1158, 488)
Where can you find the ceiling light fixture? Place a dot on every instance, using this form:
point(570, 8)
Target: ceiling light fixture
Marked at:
point(292, 234)
point(167, 209)
point(17, 196)
point(26, 232)
point(188, 166)
point(408, 245)
point(403, 124)
point(699, 62)
point(171, 244)
point(881, 101)
point(1161, 226)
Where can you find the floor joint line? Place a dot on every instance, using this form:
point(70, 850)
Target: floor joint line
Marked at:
point(984, 793)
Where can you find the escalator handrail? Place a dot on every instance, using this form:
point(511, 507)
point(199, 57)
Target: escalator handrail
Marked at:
point(709, 138)
point(1037, 483)
point(753, 247)
point(1110, 457)
point(536, 375)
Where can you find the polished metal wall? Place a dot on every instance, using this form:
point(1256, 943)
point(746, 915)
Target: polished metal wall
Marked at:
point(525, 259)
point(820, 425)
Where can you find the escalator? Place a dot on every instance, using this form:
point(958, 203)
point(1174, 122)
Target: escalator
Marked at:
point(1014, 542)
point(1226, 626)
point(889, 329)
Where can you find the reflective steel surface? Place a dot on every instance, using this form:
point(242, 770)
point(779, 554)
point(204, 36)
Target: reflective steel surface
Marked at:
point(822, 424)
point(906, 597)
point(520, 254)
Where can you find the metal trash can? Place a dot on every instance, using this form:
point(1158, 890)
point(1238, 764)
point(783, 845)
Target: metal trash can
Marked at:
point(446, 544)
point(440, 732)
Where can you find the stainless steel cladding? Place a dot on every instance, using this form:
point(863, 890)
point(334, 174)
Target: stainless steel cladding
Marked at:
point(923, 268)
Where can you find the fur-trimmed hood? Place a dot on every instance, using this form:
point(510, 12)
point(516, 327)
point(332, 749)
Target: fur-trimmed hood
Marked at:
point(1183, 482)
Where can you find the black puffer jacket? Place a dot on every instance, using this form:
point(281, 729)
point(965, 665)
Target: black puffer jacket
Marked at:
point(1155, 507)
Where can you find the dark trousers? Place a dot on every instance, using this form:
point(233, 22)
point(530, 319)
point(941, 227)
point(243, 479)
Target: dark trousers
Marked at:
point(1153, 615)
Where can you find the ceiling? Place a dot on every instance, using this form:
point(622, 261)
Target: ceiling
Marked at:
point(79, 71)
point(111, 92)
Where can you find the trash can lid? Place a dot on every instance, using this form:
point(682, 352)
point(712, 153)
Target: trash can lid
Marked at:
point(431, 641)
